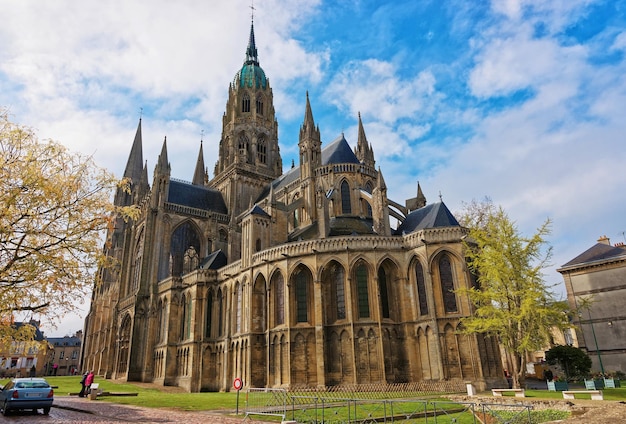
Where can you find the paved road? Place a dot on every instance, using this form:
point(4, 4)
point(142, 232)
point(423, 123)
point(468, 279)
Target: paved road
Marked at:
point(73, 410)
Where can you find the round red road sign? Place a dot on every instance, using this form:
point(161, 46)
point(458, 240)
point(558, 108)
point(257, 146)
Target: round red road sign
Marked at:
point(237, 384)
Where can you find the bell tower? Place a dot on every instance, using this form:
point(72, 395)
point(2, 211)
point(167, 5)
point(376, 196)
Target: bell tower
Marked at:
point(249, 156)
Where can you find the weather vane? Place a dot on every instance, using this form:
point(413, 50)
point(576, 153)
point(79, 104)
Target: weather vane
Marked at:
point(252, 9)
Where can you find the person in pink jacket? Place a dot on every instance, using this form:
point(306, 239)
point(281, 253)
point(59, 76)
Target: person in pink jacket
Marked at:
point(88, 381)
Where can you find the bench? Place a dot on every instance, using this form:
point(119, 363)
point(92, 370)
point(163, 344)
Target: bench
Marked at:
point(571, 394)
point(517, 392)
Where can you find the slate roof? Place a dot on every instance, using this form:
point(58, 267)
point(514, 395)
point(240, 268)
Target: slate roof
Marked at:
point(64, 341)
point(194, 196)
point(215, 260)
point(38, 333)
point(598, 253)
point(430, 216)
point(338, 151)
point(257, 210)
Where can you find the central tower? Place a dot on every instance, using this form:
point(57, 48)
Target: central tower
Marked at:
point(249, 156)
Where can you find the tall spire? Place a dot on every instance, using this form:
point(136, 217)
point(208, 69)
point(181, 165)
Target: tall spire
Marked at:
point(308, 113)
point(134, 166)
point(163, 165)
point(251, 52)
point(363, 150)
point(199, 173)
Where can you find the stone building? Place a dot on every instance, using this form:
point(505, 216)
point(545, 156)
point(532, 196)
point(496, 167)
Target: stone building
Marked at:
point(23, 358)
point(281, 279)
point(64, 357)
point(598, 275)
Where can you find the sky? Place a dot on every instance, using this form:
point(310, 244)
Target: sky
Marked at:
point(520, 101)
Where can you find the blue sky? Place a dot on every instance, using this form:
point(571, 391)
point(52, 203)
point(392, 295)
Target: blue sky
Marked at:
point(522, 101)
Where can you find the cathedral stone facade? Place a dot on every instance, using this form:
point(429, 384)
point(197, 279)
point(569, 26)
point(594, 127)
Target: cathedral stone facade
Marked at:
point(289, 280)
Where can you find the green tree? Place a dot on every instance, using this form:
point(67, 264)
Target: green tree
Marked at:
point(574, 361)
point(54, 209)
point(511, 301)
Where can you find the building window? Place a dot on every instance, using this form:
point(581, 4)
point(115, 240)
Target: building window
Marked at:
point(161, 320)
point(567, 334)
point(137, 264)
point(362, 292)
point(243, 145)
point(259, 105)
point(279, 289)
point(301, 281)
point(447, 284)
point(421, 289)
point(220, 314)
point(184, 238)
point(238, 316)
point(261, 150)
point(346, 207)
point(209, 315)
point(245, 105)
point(185, 332)
point(338, 285)
point(62, 354)
point(384, 295)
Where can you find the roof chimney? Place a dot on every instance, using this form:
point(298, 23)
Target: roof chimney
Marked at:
point(604, 240)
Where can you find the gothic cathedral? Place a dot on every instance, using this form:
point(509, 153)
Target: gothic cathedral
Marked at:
point(291, 279)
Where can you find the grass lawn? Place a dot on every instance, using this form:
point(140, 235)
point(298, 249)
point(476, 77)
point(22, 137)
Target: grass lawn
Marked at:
point(155, 398)
point(152, 398)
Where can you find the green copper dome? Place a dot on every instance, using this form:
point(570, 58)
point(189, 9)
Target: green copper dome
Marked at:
point(251, 74)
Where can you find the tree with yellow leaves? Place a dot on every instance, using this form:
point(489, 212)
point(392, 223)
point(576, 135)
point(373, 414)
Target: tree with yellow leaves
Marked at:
point(54, 209)
point(511, 299)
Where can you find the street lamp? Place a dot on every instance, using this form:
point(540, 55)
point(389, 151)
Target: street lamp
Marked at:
point(596, 342)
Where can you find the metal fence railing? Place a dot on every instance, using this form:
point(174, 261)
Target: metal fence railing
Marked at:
point(304, 409)
point(319, 409)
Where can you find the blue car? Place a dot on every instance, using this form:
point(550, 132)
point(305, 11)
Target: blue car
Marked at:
point(26, 393)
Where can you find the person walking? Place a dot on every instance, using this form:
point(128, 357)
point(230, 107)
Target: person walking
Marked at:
point(82, 383)
point(88, 381)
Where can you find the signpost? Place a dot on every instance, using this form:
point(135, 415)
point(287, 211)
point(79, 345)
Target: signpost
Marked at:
point(237, 384)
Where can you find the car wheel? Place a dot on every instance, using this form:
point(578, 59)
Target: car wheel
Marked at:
point(46, 410)
point(5, 409)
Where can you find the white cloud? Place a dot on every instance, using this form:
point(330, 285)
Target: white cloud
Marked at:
point(520, 62)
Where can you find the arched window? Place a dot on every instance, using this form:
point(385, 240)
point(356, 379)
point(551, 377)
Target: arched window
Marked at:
point(185, 329)
point(384, 294)
point(259, 105)
point(243, 145)
point(184, 238)
point(362, 291)
point(161, 326)
point(220, 313)
point(137, 264)
point(421, 288)
point(245, 104)
point(339, 288)
point(279, 298)
point(301, 284)
point(209, 315)
point(447, 284)
point(261, 150)
point(238, 294)
point(346, 207)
